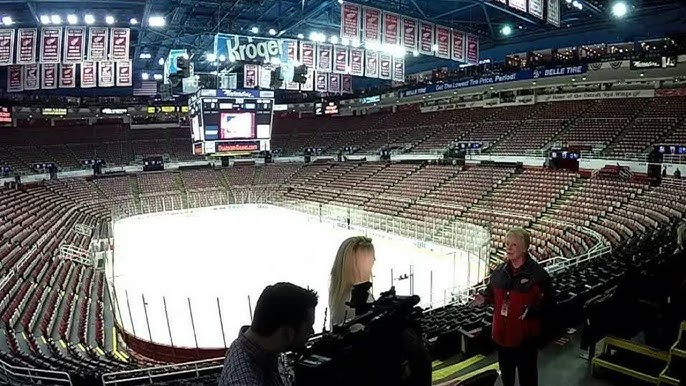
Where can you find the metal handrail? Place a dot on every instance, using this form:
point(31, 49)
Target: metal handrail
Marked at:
point(151, 373)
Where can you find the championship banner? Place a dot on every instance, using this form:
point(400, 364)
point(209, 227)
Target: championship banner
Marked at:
point(124, 76)
point(97, 43)
point(399, 69)
point(391, 28)
point(357, 61)
point(340, 63)
point(346, 84)
point(385, 61)
point(443, 42)
point(250, 75)
point(536, 8)
point(371, 27)
point(350, 21)
point(265, 77)
point(334, 83)
point(554, 12)
point(458, 46)
point(120, 40)
point(410, 33)
point(472, 49)
point(48, 76)
point(324, 57)
point(519, 5)
point(320, 82)
point(31, 77)
point(106, 74)
point(15, 82)
point(74, 44)
point(309, 81)
point(6, 47)
point(307, 54)
point(50, 44)
point(293, 86)
point(67, 75)
point(371, 67)
point(88, 74)
point(291, 49)
point(26, 45)
point(426, 38)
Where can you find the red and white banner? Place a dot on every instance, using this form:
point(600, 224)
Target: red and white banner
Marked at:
point(350, 21)
point(67, 75)
point(536, 8)
point(15, 82)
point(340, 61)
point(472, 49)
point(309, 81)
point(307, 54)
point(120, 40)
point(48, 76)
point(371, 27)
point(26, 45)
point(426, 38)
point(346, 84)
point(324, 57)
point(320, 82)
point(6, 47)
point(97, 43)
point(264, 77)
point(410, 33)
point(250, 75)
point(391, 28)
point(334, 83)
point(371, 67)
point(74, 44)
point(399, 69)
point(385, 61)
point(31, 77)
point(291, 49)
point(357, 61)
point(106, 74)
point(124, 74)
point(50, 44)
point(554, 12)
point(88, 74)
point(458, 46)
point(519, 5)
point(443, 42)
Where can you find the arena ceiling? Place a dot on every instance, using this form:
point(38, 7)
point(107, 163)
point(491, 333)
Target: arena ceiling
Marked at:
point(191, 24)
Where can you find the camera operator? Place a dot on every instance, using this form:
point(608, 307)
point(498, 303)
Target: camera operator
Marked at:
point(283, 320)
point(521, 293)
point(352, 266)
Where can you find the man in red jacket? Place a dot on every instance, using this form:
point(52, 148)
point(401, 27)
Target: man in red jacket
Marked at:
point(521, 292)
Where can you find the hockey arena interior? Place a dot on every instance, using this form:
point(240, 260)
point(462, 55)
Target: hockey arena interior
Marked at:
point(161, 162)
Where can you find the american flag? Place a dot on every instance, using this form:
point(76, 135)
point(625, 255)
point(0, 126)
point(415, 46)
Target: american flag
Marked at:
point(146, 88)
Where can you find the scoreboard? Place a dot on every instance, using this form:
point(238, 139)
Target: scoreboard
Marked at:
point(231, 122)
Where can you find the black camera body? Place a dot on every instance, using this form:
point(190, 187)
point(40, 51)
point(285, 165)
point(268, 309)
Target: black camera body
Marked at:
point(380, 346)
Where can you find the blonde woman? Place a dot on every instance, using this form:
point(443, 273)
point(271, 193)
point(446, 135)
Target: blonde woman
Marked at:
point(353, 265)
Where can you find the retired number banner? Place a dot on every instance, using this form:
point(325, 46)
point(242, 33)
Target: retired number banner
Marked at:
point(320, 83)
point(385, 66)
point(124, 78)
point(334, 83)
point(340, 64)
point(48, 76)
point(443, 42)
point(15, 83)
point(371, 68)
point(472, 49)
point(458, 46)
point(357, 61)
point(554, 12)
point(307, 54)
point(26, 45)
point(410, 33)
point(88, 74)
point(250, 75)
point(31, 77)
point(399, 69)
point(106, 74)
point(6, 47)
point(324, 57)
point(519, 5)
point(119, 43)
point(50, 44)
point(97, 43)
point(291, 49)
point(265, 77)
point(536, 8)
point(67, 75)
point(74, 44)
point(391, 28)
point(371, 28)
point(350, 21)
point(346, 84)
point(426, 38)
point(309, 81)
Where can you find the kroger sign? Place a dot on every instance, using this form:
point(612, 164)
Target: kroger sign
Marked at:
point(238, 48)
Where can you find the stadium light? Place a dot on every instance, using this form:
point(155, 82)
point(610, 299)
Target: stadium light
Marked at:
point(45, 19)
point(56, 19)
point(619, 9)
point(7, 20)
point(506, 30)
point(161, 62)
point(89, 19)
point(301, 36)
point(156, 21)
point(211, 57)
point(133, 21)
point(334, 39)
point(72, 19)
point(254, 30)
point(345, 41)
point(222, 58)
point(272, 31)
point(355, 43)
point(109, 19)
point(415, 53)
point(157, 76)
point(145, 76)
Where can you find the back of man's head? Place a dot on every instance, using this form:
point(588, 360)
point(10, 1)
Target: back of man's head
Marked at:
point(282, 304)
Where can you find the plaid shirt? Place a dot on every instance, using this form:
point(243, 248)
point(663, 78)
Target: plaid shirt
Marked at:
point(247, 364)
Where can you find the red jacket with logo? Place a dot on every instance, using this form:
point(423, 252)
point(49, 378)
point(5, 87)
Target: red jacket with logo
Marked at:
point(520, 297)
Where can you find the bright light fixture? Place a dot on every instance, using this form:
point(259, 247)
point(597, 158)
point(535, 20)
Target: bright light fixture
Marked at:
point(211, 57)
point(133, 21)
point(272, 31)
point(109, 19)
point(301, 36)
point(72, 19)
point(145, 76)
point(345, 41)
point(619, 9)
point(222, 58)
point(506, 30)
point(254, 30)
point(89, 19)
point(45, 19)
point(161, 62)
point(56, 19)
point(157, 76)
point(334, 39)
point(156, 21)
point(7, 20)
point(415, 53)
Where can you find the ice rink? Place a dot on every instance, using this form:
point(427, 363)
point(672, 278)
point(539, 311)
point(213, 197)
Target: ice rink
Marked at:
point(218, 257)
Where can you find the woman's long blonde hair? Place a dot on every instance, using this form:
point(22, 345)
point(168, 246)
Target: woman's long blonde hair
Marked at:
point(345, 273)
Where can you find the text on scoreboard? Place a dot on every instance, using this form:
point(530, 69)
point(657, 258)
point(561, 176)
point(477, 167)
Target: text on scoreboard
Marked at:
point(217, 119)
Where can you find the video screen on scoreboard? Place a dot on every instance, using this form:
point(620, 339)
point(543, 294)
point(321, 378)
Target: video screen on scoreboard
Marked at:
point(5, 114)
point(236, 118)
point(237, 125)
